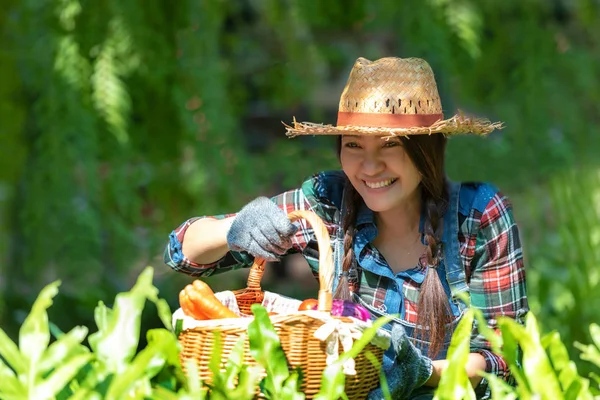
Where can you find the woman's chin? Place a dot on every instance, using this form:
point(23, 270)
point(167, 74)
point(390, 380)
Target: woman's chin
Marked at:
point(378, 205)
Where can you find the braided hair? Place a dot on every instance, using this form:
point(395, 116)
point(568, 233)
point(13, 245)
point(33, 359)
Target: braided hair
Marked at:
point(427, 154)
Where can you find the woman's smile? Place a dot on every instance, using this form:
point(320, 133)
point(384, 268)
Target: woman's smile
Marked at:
point(379, 185)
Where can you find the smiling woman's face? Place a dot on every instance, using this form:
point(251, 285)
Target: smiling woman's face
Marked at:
point(380, 170)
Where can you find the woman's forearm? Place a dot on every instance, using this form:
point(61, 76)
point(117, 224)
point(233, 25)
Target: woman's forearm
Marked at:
point(205, 240)
point(475, 364)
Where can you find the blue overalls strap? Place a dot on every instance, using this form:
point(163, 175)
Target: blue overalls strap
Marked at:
point(455, 273)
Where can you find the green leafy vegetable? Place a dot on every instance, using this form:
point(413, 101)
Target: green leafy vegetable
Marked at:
point(454, 383)
point(265, 348)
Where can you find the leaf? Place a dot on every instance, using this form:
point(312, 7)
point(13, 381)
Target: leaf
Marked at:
point(146, 364)
point(194, 382)
point(510, 350)
point(10, 396)
point(117, 339)
point(484, 329)
point(556, 350)
point(164, 312)
point(55, 330)
point(160, 393)
point(266, 349)
point(178, 327)
point(9, 383)
point(10, 352)
point(578, 390)
point(248, 381)
point(57, 380)
point(332, 383)
point(499, 388)
point(454, 382)
point(62, 348)
point(540, 376)
point(234, 363)
point(595, 333)
point(591, 352)
point(568, 377)
point(291, 387)
point(169, 342)
point(81, 393)
point(596, 378)
point(162, 306)
point(102, 315)
point(385, 389)
point(215, 357)
point(34, 334)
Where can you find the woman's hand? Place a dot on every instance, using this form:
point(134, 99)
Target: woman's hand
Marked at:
point(410, 369)
point(261, 229)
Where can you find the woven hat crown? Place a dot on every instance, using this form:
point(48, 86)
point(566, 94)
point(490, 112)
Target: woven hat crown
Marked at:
point(391, 86)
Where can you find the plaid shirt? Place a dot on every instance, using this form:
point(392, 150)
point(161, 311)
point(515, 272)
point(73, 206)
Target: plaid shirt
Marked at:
point(490, 251)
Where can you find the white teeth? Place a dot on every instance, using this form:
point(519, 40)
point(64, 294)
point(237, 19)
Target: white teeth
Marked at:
point(377, 185)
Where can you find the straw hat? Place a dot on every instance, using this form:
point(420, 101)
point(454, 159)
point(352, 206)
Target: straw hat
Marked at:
point(393, 97)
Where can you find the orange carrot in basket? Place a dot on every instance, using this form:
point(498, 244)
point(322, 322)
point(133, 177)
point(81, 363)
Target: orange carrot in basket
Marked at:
point(189, 308)
point(204, 301)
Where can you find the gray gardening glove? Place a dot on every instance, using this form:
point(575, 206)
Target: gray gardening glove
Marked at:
point(409, 371)
point(261, 229)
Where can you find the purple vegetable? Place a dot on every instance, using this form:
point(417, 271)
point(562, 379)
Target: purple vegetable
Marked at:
point(346, 308)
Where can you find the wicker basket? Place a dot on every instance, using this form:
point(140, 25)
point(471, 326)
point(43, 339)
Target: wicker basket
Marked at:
point(295, 330)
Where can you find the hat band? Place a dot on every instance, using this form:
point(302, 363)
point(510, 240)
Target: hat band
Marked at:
point(381, 120)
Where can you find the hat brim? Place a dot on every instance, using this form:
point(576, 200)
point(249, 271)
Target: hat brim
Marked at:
point(458, 124)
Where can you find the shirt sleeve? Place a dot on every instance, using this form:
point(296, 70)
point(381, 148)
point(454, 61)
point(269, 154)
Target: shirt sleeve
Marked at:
point(173, 256)
point(497, 283)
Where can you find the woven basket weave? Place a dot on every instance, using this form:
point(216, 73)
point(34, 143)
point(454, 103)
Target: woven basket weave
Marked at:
point(295, 330)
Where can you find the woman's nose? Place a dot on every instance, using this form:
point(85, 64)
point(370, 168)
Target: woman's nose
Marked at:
point(372, 164)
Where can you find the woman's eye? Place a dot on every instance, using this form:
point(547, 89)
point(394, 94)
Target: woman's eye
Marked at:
point(352, 145)
point(392, 143)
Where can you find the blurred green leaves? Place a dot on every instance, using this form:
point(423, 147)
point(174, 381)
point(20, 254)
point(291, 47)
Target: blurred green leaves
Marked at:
point(543, 368)
point(454, 383)
point(37, 370)
point(66, 369)
point(114, 368)
point(122, 119)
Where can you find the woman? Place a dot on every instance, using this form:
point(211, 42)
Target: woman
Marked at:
point(405, 238)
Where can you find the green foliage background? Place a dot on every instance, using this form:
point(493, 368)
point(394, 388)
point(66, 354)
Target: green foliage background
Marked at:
point(121, 119)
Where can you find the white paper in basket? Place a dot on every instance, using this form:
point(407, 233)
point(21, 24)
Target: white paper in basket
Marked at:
point(273, 302)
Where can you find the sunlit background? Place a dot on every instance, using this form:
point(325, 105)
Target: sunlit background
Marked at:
point(121, 119)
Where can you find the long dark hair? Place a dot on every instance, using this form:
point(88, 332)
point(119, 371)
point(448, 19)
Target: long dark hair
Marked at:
point(427, 154)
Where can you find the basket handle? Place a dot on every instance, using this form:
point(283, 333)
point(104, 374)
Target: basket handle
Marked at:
point(326, 269)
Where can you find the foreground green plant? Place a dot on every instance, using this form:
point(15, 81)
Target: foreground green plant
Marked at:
point(34, 369)
point(591, 353)
point(112, 367)
point(109, 369)
point(265, 347)
point(539, 363)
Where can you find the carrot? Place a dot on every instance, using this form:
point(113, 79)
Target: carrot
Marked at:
point(188, 307)
point(203, 301)
point(194, 306)
point(183, 302)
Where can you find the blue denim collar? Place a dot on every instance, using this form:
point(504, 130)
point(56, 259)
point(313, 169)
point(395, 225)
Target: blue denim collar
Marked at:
point(366, 216)
point(366, 232)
